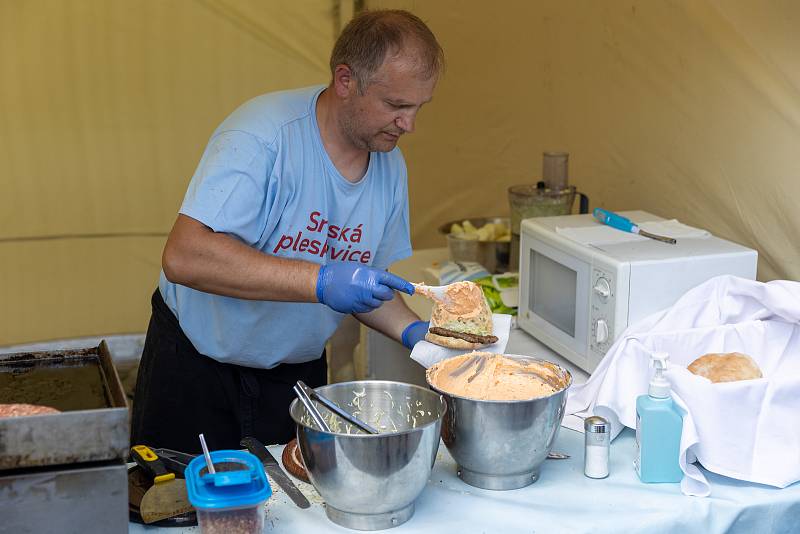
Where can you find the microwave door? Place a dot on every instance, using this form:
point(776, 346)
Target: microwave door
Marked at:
point(553, 290)
point(557, 303)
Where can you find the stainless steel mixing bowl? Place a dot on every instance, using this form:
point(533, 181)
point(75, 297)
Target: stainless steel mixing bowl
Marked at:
point(493, 255)
point(500, 445)
point(370, 482)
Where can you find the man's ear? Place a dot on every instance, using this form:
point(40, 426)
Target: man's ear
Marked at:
point(344, 83)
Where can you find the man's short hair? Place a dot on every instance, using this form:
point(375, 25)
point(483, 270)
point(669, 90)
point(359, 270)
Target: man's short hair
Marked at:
point(367, 39)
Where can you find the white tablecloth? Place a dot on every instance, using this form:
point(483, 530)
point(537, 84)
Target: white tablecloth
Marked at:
point(562, 500)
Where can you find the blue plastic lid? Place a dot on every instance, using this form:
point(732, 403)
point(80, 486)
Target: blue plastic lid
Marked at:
point(227, 489)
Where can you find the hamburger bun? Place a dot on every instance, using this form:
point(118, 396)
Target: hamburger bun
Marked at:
point(729, 367)
point(466, 315)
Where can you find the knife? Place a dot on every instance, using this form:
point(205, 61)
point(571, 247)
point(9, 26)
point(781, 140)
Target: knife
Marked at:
point(274, 470)
point(615, 220)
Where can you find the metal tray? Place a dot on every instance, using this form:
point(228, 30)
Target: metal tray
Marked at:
point(84, 385)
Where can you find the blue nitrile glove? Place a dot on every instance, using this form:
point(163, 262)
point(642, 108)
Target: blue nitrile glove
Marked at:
point(414, 332)
point(350, 287)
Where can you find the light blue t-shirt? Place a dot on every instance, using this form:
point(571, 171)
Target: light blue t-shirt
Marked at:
point(266, 180)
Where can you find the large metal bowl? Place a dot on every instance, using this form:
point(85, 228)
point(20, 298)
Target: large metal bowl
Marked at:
point(493, 255)
point(500, 445)
point(370, 482)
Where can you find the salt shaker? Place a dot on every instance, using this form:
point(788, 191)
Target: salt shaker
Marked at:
point(597, 440)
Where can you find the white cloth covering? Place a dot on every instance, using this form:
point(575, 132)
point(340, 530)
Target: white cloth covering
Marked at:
point(598, 234)
point(673, 228)
point(562, 501)
point(426, 353)
point(748, 430)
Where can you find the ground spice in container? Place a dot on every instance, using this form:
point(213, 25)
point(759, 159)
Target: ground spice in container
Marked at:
point(244, 521)
point(231, 500)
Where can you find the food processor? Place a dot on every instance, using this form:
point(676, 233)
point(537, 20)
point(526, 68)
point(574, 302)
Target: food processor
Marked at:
point(548, 197)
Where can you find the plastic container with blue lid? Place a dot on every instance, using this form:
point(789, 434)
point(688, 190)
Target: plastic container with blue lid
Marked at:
point(230, 501)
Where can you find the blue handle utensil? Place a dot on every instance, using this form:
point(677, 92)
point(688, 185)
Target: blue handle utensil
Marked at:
point(614, 220)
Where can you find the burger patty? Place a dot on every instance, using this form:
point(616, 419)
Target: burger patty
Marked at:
point(472, 338)
point(20, 410)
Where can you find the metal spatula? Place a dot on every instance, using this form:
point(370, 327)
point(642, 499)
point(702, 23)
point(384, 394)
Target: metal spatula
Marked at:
point(167, 497)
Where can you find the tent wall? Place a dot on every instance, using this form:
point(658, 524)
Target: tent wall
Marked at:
point(105, 108)
point(687, 109)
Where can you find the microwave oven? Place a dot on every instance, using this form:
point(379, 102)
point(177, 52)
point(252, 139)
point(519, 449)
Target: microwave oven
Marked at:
point(578, 298)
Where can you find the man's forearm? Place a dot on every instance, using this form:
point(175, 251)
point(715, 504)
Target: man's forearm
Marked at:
point(390, 319)
point(195, 256)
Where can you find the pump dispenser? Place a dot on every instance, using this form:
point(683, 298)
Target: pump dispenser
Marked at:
point(659, 385)
point(659, 423)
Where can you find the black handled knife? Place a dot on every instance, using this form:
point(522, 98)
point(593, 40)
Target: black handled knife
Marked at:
point(274, 470)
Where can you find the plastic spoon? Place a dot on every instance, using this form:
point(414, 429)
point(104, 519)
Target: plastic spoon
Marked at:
point(433, 292)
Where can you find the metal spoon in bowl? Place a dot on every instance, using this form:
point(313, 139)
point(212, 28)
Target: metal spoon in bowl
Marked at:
point(303, 390)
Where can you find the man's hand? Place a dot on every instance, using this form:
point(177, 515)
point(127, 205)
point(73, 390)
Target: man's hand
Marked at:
point(414, 333)
point(355, 288)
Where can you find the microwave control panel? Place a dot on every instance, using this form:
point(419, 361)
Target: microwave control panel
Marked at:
point(601, 311)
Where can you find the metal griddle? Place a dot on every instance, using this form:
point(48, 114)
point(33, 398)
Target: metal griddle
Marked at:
point(84, 385)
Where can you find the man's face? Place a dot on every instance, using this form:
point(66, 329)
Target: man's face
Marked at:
point(388, 108)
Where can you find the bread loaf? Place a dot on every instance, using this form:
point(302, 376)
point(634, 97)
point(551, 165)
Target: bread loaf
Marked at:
point(728, 367)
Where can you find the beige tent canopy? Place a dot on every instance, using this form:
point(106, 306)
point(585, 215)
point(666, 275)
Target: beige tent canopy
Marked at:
point(686, 109)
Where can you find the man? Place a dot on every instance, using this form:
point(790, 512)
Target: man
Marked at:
point(297, 208)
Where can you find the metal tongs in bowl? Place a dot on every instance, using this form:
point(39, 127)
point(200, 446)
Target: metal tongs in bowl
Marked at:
point(306, 394)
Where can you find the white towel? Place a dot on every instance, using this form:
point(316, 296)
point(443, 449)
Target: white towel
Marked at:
point(599, 234)
point(673, 228)
point(427, 354)
point(748, 430)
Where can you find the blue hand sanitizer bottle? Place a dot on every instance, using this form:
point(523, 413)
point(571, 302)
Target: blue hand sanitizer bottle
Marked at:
point(659, 423)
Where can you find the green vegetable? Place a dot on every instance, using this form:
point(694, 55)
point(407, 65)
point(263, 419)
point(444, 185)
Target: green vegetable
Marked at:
point(493, 296)
point(505, 282)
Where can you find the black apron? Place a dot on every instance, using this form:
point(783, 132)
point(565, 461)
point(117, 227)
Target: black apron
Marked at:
point(181, 393)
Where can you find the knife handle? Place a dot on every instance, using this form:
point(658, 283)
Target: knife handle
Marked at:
point(151, 463)
point(174, 461)
point(614, 220)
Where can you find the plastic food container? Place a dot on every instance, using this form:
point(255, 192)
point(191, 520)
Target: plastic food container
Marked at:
point(230, 501)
